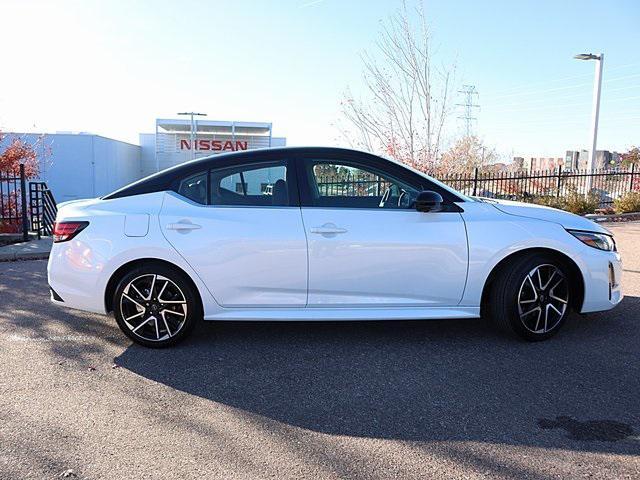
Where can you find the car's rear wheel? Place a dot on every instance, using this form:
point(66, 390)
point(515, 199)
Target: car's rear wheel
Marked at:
point(155, 305)
point(530, 297)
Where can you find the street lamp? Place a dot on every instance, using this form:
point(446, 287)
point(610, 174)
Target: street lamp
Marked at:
point(193, 130)
point(596, 108)
point(586, 56)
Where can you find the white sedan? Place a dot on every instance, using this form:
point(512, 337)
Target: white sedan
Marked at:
point(322, 234)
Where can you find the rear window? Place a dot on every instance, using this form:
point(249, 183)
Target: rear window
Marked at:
point(253, 185)
point(195, 188)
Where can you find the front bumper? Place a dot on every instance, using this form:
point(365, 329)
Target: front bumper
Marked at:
point(602, 282)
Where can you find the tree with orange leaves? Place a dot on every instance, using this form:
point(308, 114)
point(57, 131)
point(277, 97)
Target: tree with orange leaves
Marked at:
point(12, 154)
point(16, 152)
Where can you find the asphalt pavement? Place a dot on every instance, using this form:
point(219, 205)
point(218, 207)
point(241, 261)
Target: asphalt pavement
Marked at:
point(378, 400)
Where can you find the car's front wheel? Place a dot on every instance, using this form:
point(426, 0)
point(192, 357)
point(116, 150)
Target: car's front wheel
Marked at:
point(155, 305)
point(530, 297)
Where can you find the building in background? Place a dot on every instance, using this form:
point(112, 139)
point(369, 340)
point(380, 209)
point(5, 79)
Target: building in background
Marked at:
point(83, 165)
point(573, 160)
point(579, 160)
point(172, 142)
point(535, 164)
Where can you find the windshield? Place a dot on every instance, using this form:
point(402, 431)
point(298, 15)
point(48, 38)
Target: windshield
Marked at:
point(444, 186)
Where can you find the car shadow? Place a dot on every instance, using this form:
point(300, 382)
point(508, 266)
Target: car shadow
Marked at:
point(28, 314)
point(420, 381)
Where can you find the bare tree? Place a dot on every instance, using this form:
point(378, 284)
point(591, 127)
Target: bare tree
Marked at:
point(408, 96)
point(466, 154)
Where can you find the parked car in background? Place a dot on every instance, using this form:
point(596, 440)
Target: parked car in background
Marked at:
point(340, 235)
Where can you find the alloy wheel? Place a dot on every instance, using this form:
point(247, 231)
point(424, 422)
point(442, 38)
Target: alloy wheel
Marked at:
point(543, 298)
point(153, 307)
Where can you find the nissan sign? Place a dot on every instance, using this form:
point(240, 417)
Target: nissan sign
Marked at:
point(215, 145)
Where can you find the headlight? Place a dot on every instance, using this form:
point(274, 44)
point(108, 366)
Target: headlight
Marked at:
point(600, 241)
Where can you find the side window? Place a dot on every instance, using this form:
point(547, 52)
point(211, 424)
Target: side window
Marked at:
point(345, 185)
point(195, 188)
point(260, 184)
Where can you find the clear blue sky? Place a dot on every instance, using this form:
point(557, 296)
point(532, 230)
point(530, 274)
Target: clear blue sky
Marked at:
point(113, 67)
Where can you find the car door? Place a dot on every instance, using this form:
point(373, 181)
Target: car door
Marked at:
point(240, 228)
point(368, 246)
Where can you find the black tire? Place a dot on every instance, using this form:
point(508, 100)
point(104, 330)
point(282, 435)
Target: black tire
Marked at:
point(513, 299)
point(161, 312)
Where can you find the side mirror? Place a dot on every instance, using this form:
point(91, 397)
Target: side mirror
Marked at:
point(429, 201)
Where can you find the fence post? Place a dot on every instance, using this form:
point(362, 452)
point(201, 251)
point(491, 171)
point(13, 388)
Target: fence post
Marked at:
point(559, 182)
point(633, 167)
point(475, 182)
point(23, 198)
point(35, 204)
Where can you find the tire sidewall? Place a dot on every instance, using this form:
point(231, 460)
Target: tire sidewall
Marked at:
point(520, 272)
point(194, 310)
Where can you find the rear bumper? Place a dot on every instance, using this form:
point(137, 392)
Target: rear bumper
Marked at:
point(75, 277)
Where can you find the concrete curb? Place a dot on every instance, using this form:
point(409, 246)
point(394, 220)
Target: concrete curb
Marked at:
point(33, 250)
point(16, 257)
point(11, 238)
point(615, 217)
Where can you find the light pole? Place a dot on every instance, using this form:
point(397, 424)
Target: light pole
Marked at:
point(193, 130)
point(597, 87)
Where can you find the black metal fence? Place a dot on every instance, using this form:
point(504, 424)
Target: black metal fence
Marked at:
point(42, 208)
point(352, 185)
point(14, 215)
point(13, 203)
point(607, 185)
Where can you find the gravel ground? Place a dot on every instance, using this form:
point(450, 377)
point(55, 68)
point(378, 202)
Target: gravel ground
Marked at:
point(326, 400)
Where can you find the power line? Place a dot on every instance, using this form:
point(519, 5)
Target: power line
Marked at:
point(621, 88)
point(614, 79)
point(517, 107)
point(554, 80)
point(553, 123)
point(567, 87)
point(535, 92)
point(546, 100)
point(469, 91)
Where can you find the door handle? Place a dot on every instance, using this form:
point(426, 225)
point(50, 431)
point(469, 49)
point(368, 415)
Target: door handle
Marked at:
point(183, 226)
point(328, 229)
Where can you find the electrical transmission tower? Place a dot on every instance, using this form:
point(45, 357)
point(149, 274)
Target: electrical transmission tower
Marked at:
point(469, 91)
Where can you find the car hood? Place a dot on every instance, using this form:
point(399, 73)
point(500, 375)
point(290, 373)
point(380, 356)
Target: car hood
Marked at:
point(547, 214)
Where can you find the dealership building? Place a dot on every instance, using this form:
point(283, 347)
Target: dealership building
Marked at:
point(84, 165)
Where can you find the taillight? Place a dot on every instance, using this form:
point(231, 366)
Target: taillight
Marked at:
point(63, 231)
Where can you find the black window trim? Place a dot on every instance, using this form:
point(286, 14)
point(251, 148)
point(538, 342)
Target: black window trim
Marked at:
point(364, 160)
point(166, 180)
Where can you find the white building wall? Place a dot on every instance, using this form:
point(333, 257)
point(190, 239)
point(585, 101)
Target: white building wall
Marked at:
point(84, 166)
point(148, 153)
point(116, 164)
point(278, 142)
point(68, 170)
